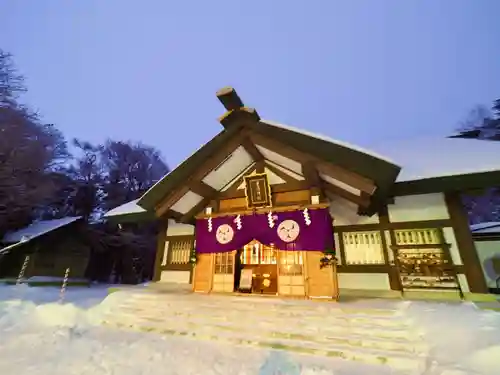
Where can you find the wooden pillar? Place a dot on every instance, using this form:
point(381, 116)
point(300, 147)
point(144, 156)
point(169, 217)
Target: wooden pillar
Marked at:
point(394, 278)
point(160, 248)
point(465, 243)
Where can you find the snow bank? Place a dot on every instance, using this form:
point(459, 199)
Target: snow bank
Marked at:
point(463, 339)
point(42, 336)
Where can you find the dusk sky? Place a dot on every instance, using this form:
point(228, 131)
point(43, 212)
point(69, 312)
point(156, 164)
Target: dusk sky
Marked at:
point(359, 71)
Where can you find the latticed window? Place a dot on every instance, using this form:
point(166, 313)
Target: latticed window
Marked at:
point(291, 263)
point(418, 237)
point(224, 263)
point(363, 247)
point(180, 250)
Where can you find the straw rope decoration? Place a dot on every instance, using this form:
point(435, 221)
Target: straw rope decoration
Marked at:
point(63, 287)
point(23, 270)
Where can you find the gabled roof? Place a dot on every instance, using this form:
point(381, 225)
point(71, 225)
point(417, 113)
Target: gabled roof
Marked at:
point(408, 167)
point(382, 171)
point(38, 229)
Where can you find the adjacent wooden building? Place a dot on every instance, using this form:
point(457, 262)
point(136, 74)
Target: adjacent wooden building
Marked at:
point(253, 200)
point(46, 248)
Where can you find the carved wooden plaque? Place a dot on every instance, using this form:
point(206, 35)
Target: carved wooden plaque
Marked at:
point(258, 191)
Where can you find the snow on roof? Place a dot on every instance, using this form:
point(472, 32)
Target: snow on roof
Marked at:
point(37, 229)
point(423, 158)
point(330, 140)
point(489, 227)
point(128, 208)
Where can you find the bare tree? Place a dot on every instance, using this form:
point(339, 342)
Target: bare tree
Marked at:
point(132, 168)
point(11, 82)
point(28, 152)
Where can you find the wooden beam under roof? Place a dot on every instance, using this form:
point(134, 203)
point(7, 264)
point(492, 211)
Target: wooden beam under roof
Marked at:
point(250, 147)
point(284, 176)
point(200, 206)
point(311, 174)
point(363, 201)
point(200, 172)
point(239, 117)
point(177, 216)
point(339, 173)
point(203, 189)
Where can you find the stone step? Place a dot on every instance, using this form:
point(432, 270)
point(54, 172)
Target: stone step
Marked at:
point(330, 324)
point(345, 350)
point(324, 337)
point(222, 313)
point(249, 303)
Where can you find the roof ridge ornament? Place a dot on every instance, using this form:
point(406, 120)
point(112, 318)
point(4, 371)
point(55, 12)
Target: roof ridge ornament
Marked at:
point(236, 112)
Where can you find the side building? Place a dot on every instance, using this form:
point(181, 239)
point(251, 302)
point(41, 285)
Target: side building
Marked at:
point(262, 203)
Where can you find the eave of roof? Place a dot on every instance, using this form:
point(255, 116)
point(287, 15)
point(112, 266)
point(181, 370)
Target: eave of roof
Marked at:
point(38, 229)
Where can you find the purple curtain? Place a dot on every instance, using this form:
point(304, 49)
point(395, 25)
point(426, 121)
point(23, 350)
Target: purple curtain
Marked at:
point(291, 230)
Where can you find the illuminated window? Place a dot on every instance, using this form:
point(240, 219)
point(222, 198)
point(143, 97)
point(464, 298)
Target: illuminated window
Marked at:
point(180, 250)
point(224, 263)
point(291, 263)
point(256, 253)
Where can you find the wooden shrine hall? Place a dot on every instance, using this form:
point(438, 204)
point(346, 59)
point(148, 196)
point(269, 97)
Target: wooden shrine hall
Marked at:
point(269, 209)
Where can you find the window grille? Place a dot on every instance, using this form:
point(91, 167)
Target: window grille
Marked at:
point(363, 248)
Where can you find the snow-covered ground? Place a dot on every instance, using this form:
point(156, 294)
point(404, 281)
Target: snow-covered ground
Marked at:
point(40, 336)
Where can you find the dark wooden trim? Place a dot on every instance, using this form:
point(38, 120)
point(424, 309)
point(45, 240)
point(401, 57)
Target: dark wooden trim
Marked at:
point(229, 98)
point(421, 224)
point(339, 173)
point(393, 270)
point(254, 152)
point(341, 246)
point(485, 237)
point(200, 173)
point(177, 267)
point(311, 174)
point(188, 217)
point(239, 117)
point(215, 205)
point(363, 268)
point(184, 237)
point(232, 191)
point(275, 205)
point(160, 248)
point(360, 200)
point(201, 188)
point(260, 166)
point(276, 188)
point(447, 183)
point(177, 216)
point(441, 245)
point(382, 268)
point(465, 243)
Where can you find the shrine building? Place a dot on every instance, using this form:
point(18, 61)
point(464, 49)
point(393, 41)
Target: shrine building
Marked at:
point(262, 207)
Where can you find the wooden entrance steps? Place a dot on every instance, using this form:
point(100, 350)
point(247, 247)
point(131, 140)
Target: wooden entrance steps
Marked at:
point(349, 331)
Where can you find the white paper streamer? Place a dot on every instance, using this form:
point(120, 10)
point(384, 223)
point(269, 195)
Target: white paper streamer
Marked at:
point(210, 227)
point(270, 219)
point(238, 222)
point(307, 218)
